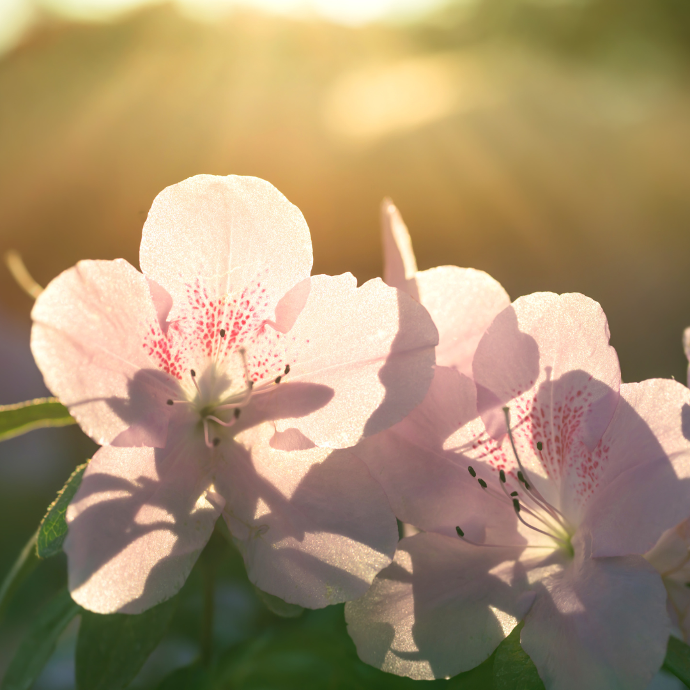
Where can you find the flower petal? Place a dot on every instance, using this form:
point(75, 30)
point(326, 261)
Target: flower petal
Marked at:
point(137, 525)
point(440, 609)
point(399, 264)
point(548, 359)
point(600, 624)
point(90, 328)
point(462, 302)
point(644, 461)
point(224, 235)
point(312, 524)
point(373, 346)
point(424, 481)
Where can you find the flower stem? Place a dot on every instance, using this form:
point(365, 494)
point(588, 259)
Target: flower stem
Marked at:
point(209, 577)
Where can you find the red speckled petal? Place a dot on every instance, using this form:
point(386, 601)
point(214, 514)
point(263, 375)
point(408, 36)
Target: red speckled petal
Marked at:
point(548, 358)
point(643, 485)
point(440, 609)
point(373, 346)
point(462, 302)
point(91, 325)
point(225, 235)
point(313, 525)
point(399, 264)
point(137, 525)
point(599, 624)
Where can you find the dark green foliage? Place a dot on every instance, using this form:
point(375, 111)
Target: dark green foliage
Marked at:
point(53, 528)
point(111, 649)
point(38, 645)
point(33, 414)
point(677, 659)
point(513, 669)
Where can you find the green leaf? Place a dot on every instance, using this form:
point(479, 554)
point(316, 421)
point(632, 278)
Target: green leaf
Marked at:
point(195, 676)
point(513, 669)
point(25, 563)
point(111, 649)
point(33, 414)
point(38, 645)
point(278, 606)
point(677, 659)
point(53, 528)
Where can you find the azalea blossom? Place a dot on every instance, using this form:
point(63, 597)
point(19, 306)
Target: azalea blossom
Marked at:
point(462, 301)
point(538, 487)
point(222, 380)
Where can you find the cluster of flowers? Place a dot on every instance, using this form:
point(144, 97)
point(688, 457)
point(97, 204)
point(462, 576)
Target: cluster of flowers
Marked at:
point(308, 413)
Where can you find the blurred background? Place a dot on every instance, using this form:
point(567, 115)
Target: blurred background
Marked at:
point(544, 141)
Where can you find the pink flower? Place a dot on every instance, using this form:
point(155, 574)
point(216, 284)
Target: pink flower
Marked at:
point(176, 372)
point(551, 531)
point(462, 301)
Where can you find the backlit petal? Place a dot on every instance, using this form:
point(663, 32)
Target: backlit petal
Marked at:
point(90, 334)
point(462, 302)
point(399, 264)
point(440, 609)
point(137, 525)
point(643, 485)
point(225, 235)
point(312, 524)
point(373, 346)
point(600, 624)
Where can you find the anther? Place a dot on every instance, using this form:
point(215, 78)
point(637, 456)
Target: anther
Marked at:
point(287, 370)
point(278, 378)
point(222, 333)
point(237, 412)
point(460, 532)
point(516, 505)
point(216, 441)
point(169, 402)
point(502, 475)
point(540, 445)
point(196, 385)
point(471, 471)
point(513, 493)
point(521, 476)
point(482, 483)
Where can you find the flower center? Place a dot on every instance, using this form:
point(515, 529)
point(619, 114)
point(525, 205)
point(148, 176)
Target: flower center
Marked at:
point(530, 506)
point(214, 394)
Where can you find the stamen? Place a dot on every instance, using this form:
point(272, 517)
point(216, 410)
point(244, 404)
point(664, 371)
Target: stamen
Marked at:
point(169, 402)
point(221, 422)
point(287, 370)
point(482, 483)
point(196, 385)
point(472, 472)
point(516, 505)
point(278, 379)
point(502, 476)
point(206, 438)
point(462, 536)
